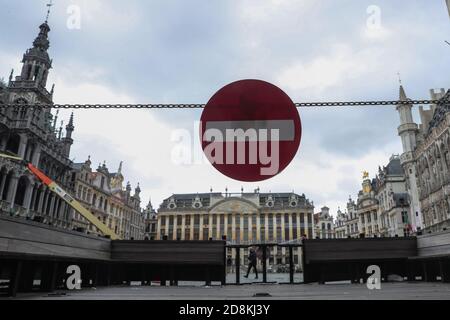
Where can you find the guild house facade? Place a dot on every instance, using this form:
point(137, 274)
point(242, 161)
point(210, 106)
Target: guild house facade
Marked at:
point(244, 218)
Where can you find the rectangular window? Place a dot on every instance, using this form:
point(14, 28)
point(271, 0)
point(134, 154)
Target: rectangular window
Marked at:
point(279, 234)
point(404, 217)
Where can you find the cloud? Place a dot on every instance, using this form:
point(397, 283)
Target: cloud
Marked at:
point(184, 51)
point(340, 66)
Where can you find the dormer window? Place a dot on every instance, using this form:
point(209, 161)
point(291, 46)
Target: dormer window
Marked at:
point(172, 205)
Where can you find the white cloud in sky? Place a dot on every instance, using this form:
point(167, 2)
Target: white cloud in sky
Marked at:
point(335, 68)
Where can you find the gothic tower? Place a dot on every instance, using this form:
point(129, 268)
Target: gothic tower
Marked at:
point(408, 130)
point(30, 133)
point(30, 86)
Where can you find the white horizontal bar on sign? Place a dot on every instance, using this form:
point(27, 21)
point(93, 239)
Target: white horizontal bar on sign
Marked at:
point(249, 130)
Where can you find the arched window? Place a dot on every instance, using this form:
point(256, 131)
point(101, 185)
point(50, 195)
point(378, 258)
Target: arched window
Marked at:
point(13, 143)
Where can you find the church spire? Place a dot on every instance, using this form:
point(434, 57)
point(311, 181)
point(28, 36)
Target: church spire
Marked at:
point(37, 62)
point(402, 95)
point(49, 5)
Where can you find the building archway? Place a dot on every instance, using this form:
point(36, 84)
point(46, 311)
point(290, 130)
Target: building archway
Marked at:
point(22, 186)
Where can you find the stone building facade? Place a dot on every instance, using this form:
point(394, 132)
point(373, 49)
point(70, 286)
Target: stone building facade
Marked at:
point(393, 202)
point(32, 134)
point(340, 225)
point(367, 209)
point(245, 218)
point(151, 222)
point(324, 224)
point(104, 195)
point(426, 162)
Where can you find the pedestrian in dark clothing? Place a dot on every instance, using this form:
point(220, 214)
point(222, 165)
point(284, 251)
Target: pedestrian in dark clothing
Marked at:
point(252, 263)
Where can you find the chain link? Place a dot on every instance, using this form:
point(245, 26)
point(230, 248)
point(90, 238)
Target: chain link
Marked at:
point(201, 106)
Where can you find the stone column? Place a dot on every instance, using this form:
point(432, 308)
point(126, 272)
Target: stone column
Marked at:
point(23, 146)
point(210, 226)
point(183, 227)
point(28, 197)
point(299, 229)
point(225, 226)
point(274, 218)
point(200, 229)
point(158, 229)
point(52, 206)
point(12, 190)
point(218, 235)
point(306, 223)
point(33, 197)
point(191, 235)
point(41, 201)
point(2, 184)
point(175, 227)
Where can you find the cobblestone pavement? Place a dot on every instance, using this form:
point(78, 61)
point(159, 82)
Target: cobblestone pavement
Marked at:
point(389, 291)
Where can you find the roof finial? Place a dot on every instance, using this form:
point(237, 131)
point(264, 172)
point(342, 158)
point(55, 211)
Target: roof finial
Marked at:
point(49, 5)
point(399, 78)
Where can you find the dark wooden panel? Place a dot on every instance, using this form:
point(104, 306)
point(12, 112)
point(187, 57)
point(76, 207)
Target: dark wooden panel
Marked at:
point(434, 244)
point(21, 237)
point(169, 252)
point(359, 249)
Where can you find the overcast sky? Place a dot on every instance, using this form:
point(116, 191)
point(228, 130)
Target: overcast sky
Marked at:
point(177, 51)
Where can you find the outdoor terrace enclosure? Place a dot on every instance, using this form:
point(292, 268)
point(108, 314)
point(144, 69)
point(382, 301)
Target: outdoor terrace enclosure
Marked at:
point(171, 261)
point(348, 259)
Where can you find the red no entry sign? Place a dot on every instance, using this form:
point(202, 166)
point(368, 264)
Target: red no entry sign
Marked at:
point(250, 130)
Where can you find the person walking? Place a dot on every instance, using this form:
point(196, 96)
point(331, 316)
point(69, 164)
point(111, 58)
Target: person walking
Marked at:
point(252, 263)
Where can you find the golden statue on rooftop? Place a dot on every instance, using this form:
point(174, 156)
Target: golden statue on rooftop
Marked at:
point(365, 175)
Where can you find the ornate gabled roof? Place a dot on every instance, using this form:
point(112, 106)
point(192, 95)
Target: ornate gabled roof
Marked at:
point(443, 107)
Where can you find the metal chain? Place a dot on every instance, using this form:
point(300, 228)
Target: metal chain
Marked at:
point(201, 106)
